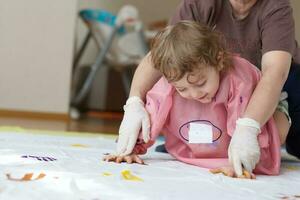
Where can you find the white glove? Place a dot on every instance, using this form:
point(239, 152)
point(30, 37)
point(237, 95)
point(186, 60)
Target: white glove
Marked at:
point(244, 151)
point(135, 118)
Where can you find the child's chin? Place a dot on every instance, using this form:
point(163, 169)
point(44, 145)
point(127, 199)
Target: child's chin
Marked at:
point(206, 100)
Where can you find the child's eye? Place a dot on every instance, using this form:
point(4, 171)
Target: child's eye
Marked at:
point(181, 90)
point(201, 84)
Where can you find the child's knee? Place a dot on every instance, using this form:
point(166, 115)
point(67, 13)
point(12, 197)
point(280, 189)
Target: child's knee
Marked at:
point(283, 125)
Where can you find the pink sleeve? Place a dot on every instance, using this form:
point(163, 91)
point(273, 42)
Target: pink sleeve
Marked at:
point(242, 84)
point(158, 104)
point(239, 97)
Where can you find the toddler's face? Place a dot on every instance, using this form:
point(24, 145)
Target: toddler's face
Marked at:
point(201, 86)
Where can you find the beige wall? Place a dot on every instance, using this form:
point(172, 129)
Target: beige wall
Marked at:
point(36, 47)
point(149, 10)
point(296, 8)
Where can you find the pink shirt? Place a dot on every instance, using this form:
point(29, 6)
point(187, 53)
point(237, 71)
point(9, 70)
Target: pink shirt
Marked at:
point(172, 114)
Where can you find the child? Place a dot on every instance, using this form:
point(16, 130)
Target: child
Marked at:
point(203, 92)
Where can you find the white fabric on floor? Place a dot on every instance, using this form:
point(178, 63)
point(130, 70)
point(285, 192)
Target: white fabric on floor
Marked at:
point(50, 166)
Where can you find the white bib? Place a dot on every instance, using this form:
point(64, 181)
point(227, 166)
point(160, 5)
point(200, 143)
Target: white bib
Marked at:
point(200, 133)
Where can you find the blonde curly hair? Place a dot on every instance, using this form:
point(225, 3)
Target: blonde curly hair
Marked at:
point(186, 47)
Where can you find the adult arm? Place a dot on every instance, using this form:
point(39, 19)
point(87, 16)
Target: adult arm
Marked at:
point(144, 78)
point(278, 46)
point(244, 151)
point(275, 69)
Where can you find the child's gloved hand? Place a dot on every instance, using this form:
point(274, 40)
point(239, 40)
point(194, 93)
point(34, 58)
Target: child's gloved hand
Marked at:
point(229, 171)
point(132, 158)
point(244, 150)
point(135, 118)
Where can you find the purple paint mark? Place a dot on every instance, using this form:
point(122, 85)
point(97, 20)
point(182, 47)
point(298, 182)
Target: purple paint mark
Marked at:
point(48, 159)
point(40, 158)
point(241, 100)
point(35, 157)
point(215, 144)
point(158, 104)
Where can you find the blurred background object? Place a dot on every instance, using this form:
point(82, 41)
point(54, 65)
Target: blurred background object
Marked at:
point(121, 46)
point(110, 87)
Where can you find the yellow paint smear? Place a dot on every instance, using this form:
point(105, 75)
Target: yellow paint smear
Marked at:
point(127, 175)
point(292, 168)
point(79, 145)
point(106, 174)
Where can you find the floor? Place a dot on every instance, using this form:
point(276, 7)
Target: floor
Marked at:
point(92, 122)
point(36, 165)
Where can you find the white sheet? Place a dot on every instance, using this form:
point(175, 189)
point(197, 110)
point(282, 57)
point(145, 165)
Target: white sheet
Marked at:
point(70, 167)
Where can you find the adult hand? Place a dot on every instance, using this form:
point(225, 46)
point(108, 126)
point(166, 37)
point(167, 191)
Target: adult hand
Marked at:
point(135, 118)
point(244, 151)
